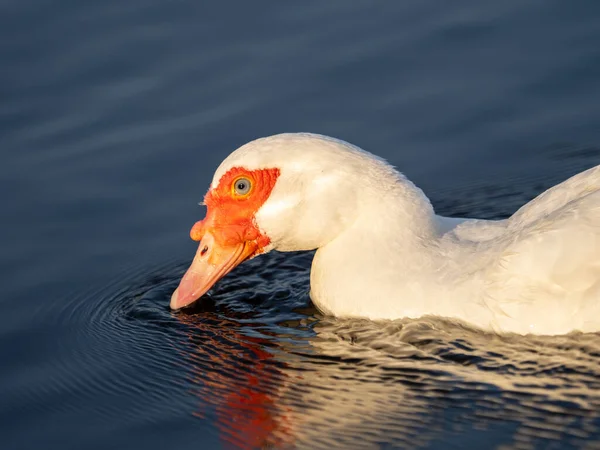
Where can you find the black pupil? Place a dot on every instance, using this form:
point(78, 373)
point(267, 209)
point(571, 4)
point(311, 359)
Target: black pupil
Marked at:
point(241, 186)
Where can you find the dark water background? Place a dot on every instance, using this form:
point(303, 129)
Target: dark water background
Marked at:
point(113, 116)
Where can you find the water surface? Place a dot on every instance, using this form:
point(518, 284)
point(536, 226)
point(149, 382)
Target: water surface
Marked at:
point(113, 117)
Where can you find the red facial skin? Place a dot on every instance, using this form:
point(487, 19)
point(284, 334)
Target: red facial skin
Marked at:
point(233, 215)
point(228, 234)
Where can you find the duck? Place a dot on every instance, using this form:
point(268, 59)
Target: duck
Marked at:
point(382, 253)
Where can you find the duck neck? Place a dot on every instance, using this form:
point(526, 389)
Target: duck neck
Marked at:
point(389, 252)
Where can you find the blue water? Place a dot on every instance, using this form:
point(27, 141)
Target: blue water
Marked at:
point(113, 117)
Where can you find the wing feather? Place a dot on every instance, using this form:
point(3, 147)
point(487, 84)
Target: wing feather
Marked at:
point(549, 260)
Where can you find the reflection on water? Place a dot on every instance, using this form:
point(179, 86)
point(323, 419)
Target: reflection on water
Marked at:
point(319, 383)
point(238, 377)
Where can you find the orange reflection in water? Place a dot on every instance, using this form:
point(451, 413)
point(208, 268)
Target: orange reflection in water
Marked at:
point(239, 378)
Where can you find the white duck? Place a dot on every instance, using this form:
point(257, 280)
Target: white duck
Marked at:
point(382, 252)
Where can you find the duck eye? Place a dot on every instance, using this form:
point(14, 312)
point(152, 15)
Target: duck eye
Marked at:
point(242, 186)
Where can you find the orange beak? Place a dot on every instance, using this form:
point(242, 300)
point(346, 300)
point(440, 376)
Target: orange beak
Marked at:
point(219, 252)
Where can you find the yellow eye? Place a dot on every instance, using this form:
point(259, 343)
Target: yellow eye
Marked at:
point(242, 186)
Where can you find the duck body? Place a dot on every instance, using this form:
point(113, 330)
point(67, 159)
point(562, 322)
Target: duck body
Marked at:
point(383, 253)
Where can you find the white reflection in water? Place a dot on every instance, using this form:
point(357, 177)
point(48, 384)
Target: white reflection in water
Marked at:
point(425, 383)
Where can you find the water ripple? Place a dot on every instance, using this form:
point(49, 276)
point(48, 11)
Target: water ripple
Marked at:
point(257, 360)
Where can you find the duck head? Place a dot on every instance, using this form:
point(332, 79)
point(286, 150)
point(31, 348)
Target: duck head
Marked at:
point(287, 192)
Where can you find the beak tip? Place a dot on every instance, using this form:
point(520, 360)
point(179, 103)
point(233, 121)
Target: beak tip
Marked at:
point(174, 305)
point(179, 301)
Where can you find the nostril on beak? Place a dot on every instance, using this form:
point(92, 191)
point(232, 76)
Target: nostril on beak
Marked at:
point(204, 250)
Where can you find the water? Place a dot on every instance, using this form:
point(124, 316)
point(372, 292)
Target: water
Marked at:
point(113, 117)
